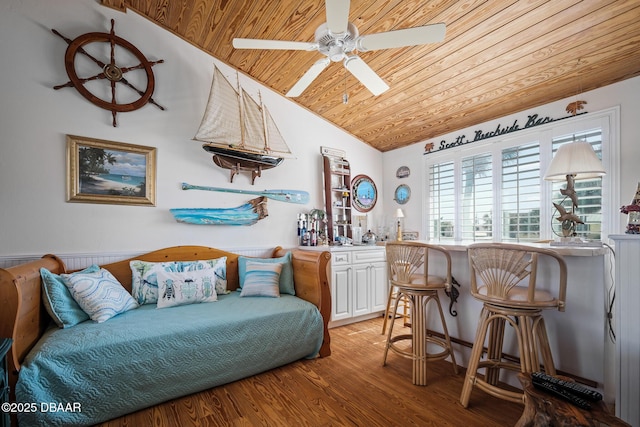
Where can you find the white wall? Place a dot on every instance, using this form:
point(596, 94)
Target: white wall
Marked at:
point(623, 94)
point(34, 119)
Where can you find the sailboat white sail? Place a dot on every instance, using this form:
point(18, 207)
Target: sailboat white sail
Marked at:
point(235, 123)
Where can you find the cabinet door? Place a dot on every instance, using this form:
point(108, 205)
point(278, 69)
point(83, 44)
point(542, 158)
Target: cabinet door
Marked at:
point(341, 293)
point(361, 289)
point(379, 286)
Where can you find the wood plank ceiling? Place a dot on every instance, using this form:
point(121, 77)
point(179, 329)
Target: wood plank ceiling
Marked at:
point(499, 56)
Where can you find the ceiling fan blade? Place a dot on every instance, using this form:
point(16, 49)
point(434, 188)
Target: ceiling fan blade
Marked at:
point(399, 38)
point(308, 77)
point(337, 15)
point(365, 74)
point(272, 44)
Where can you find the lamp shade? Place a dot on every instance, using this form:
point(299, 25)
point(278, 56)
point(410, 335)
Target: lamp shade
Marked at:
point(577, 159)
point(399, 213)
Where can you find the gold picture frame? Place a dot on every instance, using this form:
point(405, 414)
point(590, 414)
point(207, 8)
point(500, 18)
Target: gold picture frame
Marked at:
point(100, 171)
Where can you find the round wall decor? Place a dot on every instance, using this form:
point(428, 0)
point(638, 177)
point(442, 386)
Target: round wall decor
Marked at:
point(365, 194)
point(83, 52)
point(403, 172)
point(402, 194)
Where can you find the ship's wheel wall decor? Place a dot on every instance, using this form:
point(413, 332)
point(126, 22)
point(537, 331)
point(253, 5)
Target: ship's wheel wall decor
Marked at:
point(112, 84)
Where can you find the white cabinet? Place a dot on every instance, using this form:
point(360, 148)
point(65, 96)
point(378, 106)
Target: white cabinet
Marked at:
point(341, 286)
point(358, 284)
point(627, 276)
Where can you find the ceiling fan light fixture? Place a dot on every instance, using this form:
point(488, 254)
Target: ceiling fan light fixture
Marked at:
point(335, 46)
point(336, 53)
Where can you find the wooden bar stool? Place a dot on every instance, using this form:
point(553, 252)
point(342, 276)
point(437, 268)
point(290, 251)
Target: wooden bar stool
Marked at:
point(409, 273)
point(503, 277)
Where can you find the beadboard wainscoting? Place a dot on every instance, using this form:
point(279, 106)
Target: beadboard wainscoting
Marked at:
point(81, 260)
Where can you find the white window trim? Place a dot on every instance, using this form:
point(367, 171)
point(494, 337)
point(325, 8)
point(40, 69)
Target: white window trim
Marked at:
point(608, 119)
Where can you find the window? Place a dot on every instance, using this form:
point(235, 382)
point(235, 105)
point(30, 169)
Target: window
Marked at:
point(520, 201)
point(494, 190)
point(477, 198)
point(441, 178)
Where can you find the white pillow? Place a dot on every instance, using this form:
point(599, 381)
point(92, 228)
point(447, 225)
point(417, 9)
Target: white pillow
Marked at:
point(144, 284)
point(187, 287)
point(99, 294)
point(262, 280)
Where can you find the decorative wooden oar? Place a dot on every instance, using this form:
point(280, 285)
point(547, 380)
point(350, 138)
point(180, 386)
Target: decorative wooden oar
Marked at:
point(289, 196)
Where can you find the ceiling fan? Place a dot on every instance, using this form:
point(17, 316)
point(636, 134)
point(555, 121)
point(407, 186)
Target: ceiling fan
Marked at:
point(338, 38)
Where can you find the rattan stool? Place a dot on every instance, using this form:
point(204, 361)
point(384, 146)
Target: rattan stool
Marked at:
point(503, 277)
point(419, 289)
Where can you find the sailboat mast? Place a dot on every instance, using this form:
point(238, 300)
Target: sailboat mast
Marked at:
point(240, 111)
point(264, 124)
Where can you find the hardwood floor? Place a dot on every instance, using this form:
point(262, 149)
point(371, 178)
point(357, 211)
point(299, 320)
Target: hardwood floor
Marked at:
point(349, 388)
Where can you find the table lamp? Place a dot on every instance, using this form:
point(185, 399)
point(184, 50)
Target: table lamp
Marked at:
point(573, 161)
point(399, 214)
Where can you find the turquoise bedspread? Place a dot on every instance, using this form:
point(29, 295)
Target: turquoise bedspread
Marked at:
point(147, 356)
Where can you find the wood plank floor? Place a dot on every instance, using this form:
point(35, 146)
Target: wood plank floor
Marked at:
point(349, 388)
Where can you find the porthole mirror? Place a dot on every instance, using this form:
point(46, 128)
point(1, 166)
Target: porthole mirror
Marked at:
point(402, 194)
point(365, 194)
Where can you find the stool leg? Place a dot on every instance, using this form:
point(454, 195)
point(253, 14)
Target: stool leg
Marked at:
point(387, 313)
point(393, 320)
point(543, 345)
point(474, 360)
point(494, 348)
point(419, 340)
point(528, 349)
point(446, 333)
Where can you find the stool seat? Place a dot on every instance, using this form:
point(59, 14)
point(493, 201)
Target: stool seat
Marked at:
point(417, 290)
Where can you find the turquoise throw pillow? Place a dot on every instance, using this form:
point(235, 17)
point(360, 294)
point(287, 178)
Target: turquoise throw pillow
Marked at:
point(286, 283)
point(57, 299)
point(99, 294)
point(262, 279)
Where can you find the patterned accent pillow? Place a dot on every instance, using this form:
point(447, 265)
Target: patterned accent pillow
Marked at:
point(58, 302)
point(187, 287)
point(286, 276)
point(261, 280)
point(144, 283)
point(99, 294)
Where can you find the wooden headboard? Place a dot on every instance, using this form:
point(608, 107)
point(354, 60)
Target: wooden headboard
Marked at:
point(24, 318)
point(122, 271)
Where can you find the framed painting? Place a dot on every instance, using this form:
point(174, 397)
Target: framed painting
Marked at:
point(365, 193)
point(110, 172)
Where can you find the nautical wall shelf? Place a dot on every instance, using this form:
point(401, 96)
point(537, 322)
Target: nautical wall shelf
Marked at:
point(337, 197)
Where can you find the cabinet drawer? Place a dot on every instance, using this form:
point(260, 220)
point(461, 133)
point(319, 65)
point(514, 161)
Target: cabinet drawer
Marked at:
point(341, 258)
point(369, 256)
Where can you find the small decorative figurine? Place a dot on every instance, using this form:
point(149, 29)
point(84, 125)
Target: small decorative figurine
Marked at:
point(633, 210)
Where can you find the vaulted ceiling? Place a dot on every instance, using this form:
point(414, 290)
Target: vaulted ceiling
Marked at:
point(498, 57)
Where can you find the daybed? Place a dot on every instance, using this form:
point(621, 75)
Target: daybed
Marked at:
point(94, 371)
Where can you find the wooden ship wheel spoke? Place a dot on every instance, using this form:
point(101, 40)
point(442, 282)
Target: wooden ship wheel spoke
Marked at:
point(110, 71)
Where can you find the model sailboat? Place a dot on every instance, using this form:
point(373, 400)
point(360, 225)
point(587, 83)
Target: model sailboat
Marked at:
point(239, 131)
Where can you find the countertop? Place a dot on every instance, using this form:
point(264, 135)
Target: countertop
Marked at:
point(461, 246)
